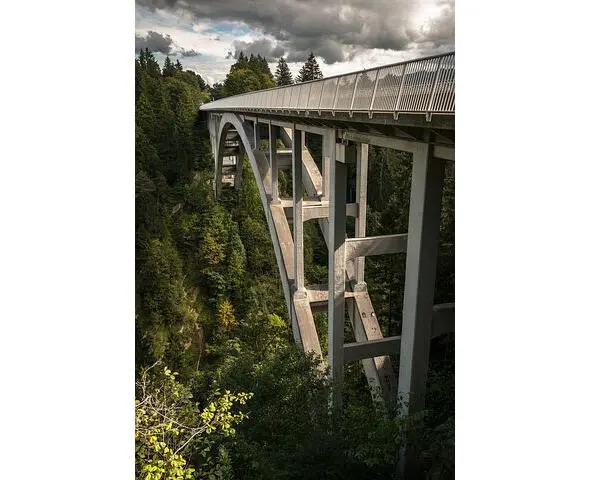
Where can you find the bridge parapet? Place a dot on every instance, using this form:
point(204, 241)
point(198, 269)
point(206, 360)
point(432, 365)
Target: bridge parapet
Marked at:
point(421, 86)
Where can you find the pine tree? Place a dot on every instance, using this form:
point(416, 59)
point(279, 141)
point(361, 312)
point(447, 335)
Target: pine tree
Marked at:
point(201, 82)
point(178, 66)
point(168, 70)
point(283, 74)
point(150, 64)
point(217, 91)
point(241, 63)
point(310, 70)
point(143, 62)
point(263, 66)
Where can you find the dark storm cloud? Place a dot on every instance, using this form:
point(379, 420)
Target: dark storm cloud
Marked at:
point(327, 48)
point(263, 47)
point(190, 53)
point(154, 41)
point(443, 27)
point(333, 29)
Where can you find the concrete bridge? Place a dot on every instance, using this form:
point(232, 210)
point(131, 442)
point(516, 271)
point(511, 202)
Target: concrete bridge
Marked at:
point(408, 106)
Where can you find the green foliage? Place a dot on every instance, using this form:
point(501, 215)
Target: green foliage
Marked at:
point(171, 203)
point(283, 74)
point(226, 317)
point(148, 63)
point(310, 70)
point(247, 75)
point(192, 78)
point(167, 317)
point(292, 434)
point(245, 80)
point(169, 69)
point(170, 427)
point(221, 256)
point(217, 91)
point(389, 201)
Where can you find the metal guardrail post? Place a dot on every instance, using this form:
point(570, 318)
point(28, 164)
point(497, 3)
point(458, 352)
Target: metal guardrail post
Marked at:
point(354, 92)
point(320, 97)
point(336, 91)
point(432, 93)
point(373, 95)
point(397, 104)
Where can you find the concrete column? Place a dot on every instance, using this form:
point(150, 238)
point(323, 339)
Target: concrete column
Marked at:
point(336, 270)
point(257, 135)
point(239, 169)
point(419, 288)
point(328, 148)
point(273, 134)
point(361, 199)
point(212, 136)
point(298, 212)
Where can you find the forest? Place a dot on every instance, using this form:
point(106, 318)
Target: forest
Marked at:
point(222, 390)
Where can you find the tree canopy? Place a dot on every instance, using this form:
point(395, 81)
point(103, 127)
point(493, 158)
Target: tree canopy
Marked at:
point(282, 73)
point(310, 70)
point(247, 75)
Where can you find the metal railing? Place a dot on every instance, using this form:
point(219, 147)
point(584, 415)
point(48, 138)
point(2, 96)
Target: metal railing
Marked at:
point(424, 85)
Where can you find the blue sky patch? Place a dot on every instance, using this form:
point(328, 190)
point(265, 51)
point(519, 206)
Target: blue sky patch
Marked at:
point(229, 28)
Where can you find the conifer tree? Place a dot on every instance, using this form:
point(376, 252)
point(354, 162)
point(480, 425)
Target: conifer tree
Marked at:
point(143, 62)
point(150, 64)
point(283, 74)
point(310, 70)
point(241, 63)
point(263, 66)
point(178, 66)
point(168, 70)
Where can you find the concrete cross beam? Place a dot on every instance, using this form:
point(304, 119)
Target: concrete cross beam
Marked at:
point(314, 209)
point(379, 245)
point(442, 322)
point(318, 295)
point(371, 348)
point(283, 158)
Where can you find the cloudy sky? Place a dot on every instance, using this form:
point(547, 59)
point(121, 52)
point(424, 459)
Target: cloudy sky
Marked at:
point(345, 35)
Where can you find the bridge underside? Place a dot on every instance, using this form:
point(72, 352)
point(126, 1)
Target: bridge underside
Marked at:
point(321, 196)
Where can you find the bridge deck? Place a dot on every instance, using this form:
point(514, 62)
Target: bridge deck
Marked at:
point(418, 93)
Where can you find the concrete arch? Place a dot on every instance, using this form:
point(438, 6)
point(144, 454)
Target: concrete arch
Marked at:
point(258, 162)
